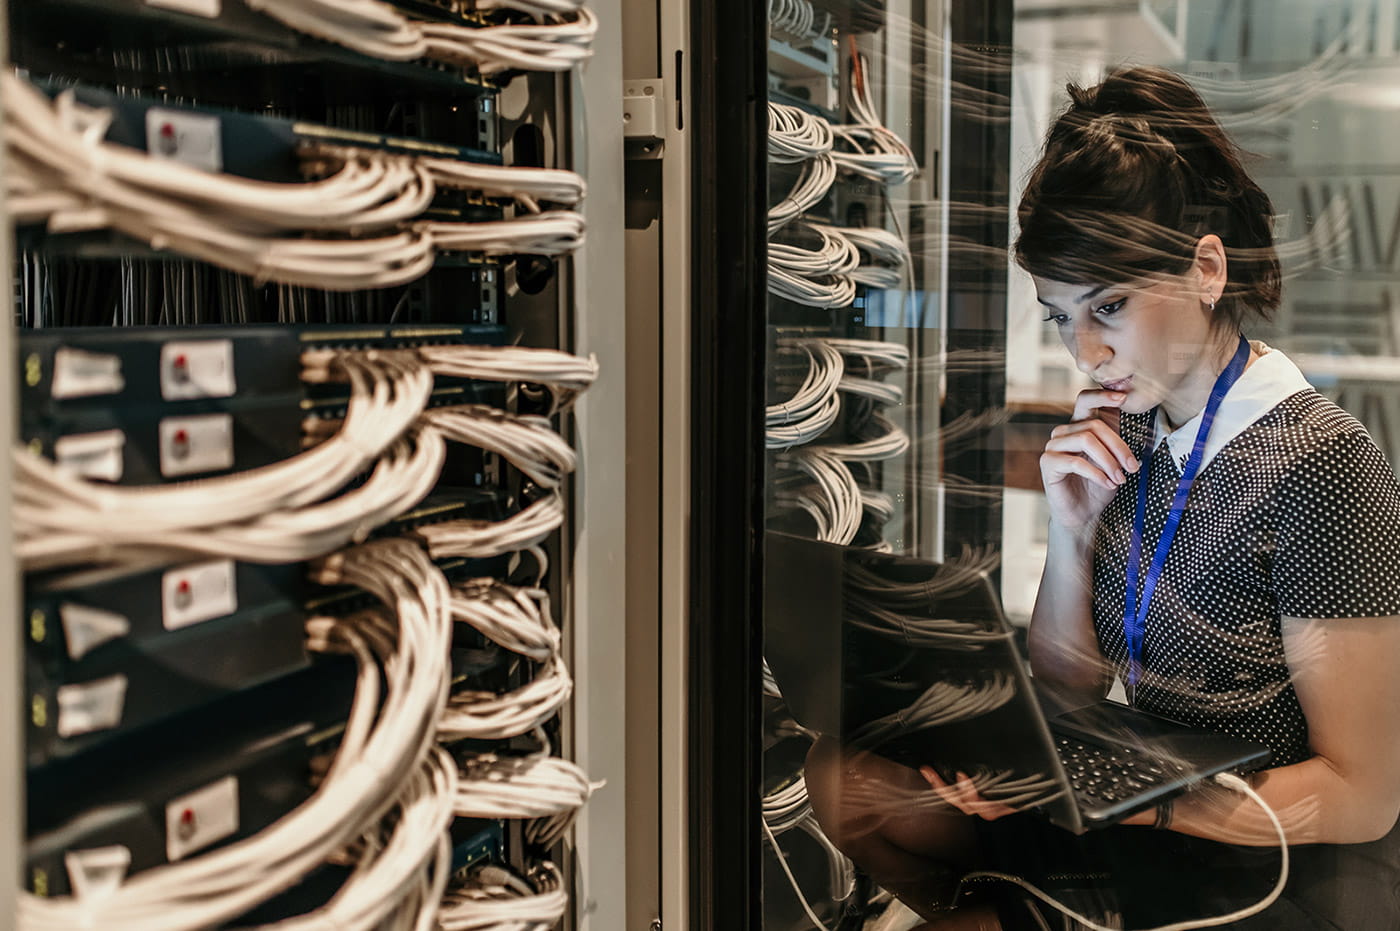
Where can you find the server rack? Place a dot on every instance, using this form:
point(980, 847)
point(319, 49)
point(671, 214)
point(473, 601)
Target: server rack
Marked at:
point(221, 36)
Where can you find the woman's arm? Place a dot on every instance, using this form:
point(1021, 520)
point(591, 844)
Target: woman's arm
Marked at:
point(1082, 468)
point(1347, 675)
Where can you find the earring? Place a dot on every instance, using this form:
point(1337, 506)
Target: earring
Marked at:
point(1211, 305)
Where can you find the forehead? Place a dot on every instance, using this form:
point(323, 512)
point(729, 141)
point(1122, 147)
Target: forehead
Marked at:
point(1069, 293)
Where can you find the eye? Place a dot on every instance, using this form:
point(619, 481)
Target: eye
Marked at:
point(1057, 319)
point(1108, 310)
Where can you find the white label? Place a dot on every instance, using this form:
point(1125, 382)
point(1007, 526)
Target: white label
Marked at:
point(206, 8)
point(97, 873)
point(81, 374)
point(86, 628)
point(91, 706)
point(200, 369)
point(192, 445)
point(181, 136)
point(91, 455)
point(194, 821)
point(197, 593)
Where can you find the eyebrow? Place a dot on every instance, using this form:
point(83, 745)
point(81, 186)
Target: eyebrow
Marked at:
point(1087, 295)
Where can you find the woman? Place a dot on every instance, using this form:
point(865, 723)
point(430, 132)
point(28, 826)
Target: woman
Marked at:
point(1267, 607)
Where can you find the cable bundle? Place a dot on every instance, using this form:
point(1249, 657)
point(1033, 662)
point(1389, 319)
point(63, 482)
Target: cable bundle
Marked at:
point(557, 44)
point(494, 899)
point(814, 407)
point(515, 618)
point(941, 703)
point(798, 18)
point(565, 374)
point(819, 277)
point(562, 39)
point(386, 761)
point(527, 442)
point(481, 539)
point(533, 787)
point(891, 441)
point(833, 500)
point(885, 247)
point(278, 513)
point(875, 152)
point(817, 177)
point(62, 173)
point(492, 716)
point(794, 135)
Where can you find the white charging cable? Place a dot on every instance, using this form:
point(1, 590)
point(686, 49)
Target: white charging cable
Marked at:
point(1230, 781)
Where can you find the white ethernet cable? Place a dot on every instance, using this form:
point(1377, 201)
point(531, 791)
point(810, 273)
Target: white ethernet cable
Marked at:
point(567, 375)
point(818, 277)
point(558, 42)
point(494, 899)
point(834, 499)
point(878, 391)
point(794, 135)
point(62, 173)
point(553, 185)
point(882, 246)
point(481, 539)
point(817, 177)
point(879, 154)
point(1230, 781)
point(533, 7)
point(895, 355)
point(518, 787)
point(527, 442)
point(553, 232)
point(890, 442)
point(366, 26)
point(785, 807)
point(814, 407)
point(492, 716)
point(61, 142)
point(941, 703)
point(515, 618)
point(388, 739)
point(55, 512)
point(798, 18)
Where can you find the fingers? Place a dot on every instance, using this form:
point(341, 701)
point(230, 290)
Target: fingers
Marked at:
point(1088, 437)
point(963, 796)
point(1093, 399)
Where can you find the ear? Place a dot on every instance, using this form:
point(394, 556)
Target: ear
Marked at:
point(1211, 268)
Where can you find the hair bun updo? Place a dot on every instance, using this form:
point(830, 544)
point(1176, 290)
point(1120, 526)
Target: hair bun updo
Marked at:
point(1135, 171)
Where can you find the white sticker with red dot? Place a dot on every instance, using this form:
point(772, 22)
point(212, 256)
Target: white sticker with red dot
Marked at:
point(195, 445)
point(196, 593)
point(197, 369)
point(181, 136)
point(204, 816)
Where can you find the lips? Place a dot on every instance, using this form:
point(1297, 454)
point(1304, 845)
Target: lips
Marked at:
point(1122, 384)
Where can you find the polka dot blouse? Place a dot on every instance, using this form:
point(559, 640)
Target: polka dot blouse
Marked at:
point(1297, 515)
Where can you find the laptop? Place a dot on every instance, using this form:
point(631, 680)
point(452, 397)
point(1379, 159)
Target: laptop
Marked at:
point(915, 661)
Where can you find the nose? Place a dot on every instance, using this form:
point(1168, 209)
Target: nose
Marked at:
point(1090, 351)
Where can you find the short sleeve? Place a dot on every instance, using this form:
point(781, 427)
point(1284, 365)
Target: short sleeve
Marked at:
point(1337, 517)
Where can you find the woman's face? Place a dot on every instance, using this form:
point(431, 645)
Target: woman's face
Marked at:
point(1151, 339)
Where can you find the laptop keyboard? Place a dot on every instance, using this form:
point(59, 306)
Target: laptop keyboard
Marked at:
point(1104, 774)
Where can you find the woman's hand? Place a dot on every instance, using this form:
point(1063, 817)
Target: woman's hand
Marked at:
point(963, 796)
point(1086, 460)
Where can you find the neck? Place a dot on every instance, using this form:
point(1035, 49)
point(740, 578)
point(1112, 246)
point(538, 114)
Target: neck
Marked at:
point(1192, 393)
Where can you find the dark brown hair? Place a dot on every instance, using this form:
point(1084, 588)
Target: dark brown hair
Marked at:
point(1134, 173)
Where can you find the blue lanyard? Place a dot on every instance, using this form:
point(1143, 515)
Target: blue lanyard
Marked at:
point(1135, 610)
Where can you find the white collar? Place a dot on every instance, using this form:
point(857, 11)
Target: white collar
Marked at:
point(1269, 380)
